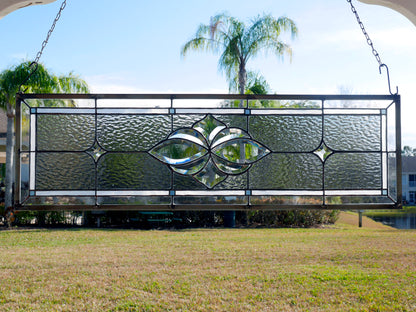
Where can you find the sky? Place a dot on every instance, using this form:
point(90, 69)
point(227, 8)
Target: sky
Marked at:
point(133, 46)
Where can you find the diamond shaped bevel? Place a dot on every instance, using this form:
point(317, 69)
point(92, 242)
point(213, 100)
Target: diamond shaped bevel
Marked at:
point(96, 151)
point(323, 152)
point(210, 175)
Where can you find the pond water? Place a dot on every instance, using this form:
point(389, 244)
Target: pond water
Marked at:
point(399, 221)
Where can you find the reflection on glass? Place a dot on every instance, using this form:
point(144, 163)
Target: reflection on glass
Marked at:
point(230, 167)
point(191, 167)
point(178, 151)
point(209, 151)
point(209, 127)
point(241, 151)
point(229, 134)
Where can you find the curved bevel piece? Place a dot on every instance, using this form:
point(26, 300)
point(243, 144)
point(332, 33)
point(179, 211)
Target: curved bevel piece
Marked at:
point(191, 167)
point(229, 134)
point(229, 167)
point(210, 175)
point(191, 135)
point(178, 151)
point(241, 151)
point(209, 127)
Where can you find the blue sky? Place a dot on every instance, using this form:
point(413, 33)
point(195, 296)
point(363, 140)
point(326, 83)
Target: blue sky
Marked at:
point(132, 46)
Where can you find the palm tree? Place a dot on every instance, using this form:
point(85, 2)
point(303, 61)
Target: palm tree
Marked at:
point(238, 43)
point(41, 81)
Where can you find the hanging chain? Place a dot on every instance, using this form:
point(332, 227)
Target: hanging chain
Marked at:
point(45, 42)
point(370, 43)
point(34, 64)
point(367, 37)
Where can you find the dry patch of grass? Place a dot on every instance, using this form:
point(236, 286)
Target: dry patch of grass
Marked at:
point(349, 218)
point(333, 269)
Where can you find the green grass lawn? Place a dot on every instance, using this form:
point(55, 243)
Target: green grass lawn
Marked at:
point(341, 268)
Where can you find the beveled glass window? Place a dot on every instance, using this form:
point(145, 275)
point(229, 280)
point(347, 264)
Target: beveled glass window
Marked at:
point(159, 152)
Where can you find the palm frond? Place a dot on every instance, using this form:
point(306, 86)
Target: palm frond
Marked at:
point(238, 43)
point(40, 81)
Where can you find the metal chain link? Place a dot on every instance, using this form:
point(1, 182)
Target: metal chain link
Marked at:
point(45, 42)
point(367, 37)
point(34, 64)
point(370, 43)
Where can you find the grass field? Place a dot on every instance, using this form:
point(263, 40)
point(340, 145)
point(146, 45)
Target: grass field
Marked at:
point(340, 268)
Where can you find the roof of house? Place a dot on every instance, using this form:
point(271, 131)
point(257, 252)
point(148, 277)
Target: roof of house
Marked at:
point(408, 163)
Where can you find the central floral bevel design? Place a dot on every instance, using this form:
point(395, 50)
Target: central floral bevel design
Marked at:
point(209, 151)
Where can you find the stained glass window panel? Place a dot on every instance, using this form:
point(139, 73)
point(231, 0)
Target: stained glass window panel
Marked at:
point(209, 152)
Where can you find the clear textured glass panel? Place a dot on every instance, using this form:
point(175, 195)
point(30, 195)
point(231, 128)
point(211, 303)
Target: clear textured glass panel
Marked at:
point(187, 182)
point(55, 103)
point(287, 171)
point(286, 200)
point(232, 121)
point(137, 171)
point(185, 121)
point(132, 132)
point(65, 171)
point(353, 133)
point(134, 200)
point(217, 103)
point(236, 182)
point(360, 104)
point(134, 103)
point(357, 200)
point(353, 171)
point(233, 182)
point(24, 175)
point(178, 151)
point(60, 200)
point(65, 132)
point(26, 122)
point(241, 151)
point(291, 104)
point(392, 175)
point(210, 175)
point(287, 133)
point(391, 128)
point(210, 200)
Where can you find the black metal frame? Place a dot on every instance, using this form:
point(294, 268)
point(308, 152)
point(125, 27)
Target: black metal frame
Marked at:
point(246, 193)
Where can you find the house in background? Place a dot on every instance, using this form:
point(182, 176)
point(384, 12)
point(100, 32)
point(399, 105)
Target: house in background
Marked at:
point(409, 179)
